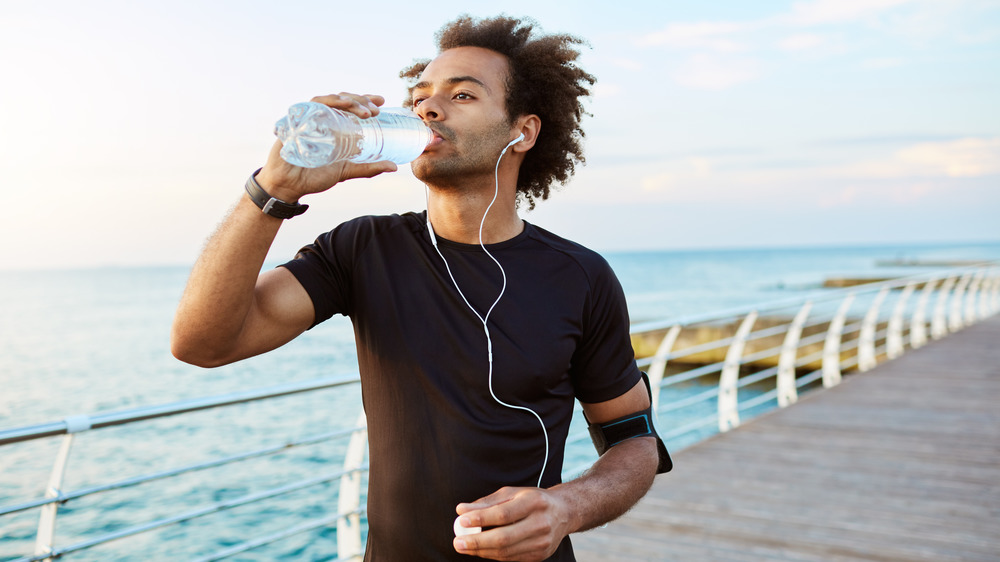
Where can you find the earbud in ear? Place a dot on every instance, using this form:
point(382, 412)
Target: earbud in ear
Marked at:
point(513, 142)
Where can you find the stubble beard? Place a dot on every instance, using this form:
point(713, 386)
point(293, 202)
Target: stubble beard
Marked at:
point(472, 156)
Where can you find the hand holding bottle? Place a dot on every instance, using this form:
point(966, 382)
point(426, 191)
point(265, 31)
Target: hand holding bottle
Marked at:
point(288, 182)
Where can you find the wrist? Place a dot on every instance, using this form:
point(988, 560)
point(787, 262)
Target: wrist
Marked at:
point(274, 187)
point(270, 204)
point(570, 516)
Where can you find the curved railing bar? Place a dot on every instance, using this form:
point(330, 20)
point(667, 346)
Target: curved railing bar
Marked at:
point(691, 400)
point(189, 515)
point(275, 537)
point(811, 358)
point(689, 427)
point(76, 424)
point(788, 302)
point(762, 354)
point(724, 342)
point(758, 400)
point(83, 492)
point(757, 377)
point(808, 378)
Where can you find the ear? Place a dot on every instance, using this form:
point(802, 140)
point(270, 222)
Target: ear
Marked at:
point(529, 126)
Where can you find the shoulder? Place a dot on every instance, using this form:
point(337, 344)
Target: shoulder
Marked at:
point(374, 225)
point(357, 234)
point(590, 263)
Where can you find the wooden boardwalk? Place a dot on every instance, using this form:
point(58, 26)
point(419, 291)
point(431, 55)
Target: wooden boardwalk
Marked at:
point(900, 463)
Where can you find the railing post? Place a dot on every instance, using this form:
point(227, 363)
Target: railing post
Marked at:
point(994, 299)
point(939, 323)
point(349, 526)
point(970, 299)
point(787, 393)
point(831, 348)
point(45, 539)
point(659, 365)
point(866, 339)
point(918, 323)
point(995, 306)
point(955, 320)
point(894, 338)
point(986, 294)
point(729, 413)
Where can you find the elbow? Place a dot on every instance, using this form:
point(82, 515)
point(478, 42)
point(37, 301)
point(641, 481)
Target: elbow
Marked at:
point(195, 351)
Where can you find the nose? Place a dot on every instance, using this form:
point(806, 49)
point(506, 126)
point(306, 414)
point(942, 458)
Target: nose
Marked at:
point(429, 109)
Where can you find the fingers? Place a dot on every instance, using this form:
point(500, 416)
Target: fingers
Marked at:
point(521, 525)
point(529, 539)
point(362, 106)
point(503, 507)
point(498, 497)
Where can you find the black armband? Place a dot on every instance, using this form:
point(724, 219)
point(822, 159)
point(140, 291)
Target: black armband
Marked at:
point(639, 424)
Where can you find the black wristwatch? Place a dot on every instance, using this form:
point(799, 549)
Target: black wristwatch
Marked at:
point(270, 205)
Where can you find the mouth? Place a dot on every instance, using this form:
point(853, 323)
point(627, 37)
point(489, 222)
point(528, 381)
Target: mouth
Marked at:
point(439, 136)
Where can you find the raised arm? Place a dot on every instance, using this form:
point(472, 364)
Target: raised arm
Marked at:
point(229, 310)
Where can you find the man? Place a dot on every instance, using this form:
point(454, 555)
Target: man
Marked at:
point(469, 366)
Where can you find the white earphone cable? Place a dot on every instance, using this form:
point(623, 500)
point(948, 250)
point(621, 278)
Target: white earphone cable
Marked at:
point(485, 318)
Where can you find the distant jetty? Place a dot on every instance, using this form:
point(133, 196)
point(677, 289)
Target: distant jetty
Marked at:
point(929, 263)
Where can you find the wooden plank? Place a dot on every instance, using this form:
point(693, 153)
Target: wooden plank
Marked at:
point(900, 463)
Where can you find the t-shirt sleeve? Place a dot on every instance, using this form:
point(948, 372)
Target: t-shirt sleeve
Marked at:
point(324, 269)
point(604, 365)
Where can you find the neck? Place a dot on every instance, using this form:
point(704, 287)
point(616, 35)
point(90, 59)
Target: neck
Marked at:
point(456, 214)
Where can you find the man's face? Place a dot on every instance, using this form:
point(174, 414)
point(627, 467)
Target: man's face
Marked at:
point(461, 95)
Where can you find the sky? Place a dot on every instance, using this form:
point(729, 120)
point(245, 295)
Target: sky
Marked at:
point(127, 129)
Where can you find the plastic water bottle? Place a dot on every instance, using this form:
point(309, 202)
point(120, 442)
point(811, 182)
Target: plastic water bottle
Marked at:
point(314, 135)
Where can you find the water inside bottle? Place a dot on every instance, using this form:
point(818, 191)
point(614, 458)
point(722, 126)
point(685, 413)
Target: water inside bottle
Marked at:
point(399, 136)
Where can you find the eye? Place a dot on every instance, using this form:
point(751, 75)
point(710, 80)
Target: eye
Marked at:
point(416, 101)
point(463, 96)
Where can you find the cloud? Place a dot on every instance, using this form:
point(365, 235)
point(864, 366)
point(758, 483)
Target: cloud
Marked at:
point(713, 36)
point(686, 173)
point(604, 90)
point(840, 198)
point(626, 63)
point(882, 62)
point(970, 157)
point(823, 12)
point(790, 31)
point(705, 71)
point(656, 183)
point(801, 42)
point(964, 158)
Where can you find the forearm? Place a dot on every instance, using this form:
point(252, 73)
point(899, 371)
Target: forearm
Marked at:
point(220, 291)
point(611, 486)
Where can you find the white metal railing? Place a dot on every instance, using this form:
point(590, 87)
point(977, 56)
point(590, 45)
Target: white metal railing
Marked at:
point(349, 508)
point(798, 342)
point(964, 296)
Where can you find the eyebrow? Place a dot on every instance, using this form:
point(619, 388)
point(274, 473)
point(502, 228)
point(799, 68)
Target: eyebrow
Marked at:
point(452, 81)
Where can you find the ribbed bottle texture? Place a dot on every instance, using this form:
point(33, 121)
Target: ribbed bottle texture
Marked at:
point(313, 135)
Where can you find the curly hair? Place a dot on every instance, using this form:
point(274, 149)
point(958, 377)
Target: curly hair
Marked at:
point(543, 80)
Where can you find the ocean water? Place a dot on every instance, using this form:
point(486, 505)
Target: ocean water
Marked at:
point(86, 341)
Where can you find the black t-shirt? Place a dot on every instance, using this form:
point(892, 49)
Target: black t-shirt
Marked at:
point(436, 435)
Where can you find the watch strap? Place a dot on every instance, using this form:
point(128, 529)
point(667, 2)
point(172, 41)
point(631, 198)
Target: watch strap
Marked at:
point(271, 206)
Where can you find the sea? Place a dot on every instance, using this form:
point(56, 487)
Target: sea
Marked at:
point(85, 341)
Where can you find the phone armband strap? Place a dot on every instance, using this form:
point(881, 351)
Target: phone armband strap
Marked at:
point(639, 424)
